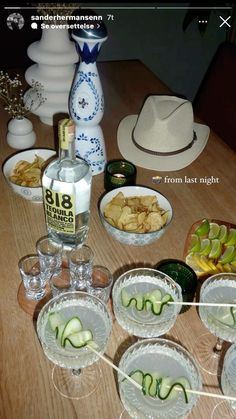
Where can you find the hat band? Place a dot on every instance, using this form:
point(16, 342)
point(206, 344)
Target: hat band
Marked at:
point(165, 153)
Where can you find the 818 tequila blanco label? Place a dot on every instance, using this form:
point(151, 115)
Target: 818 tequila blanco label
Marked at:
point(59, 211)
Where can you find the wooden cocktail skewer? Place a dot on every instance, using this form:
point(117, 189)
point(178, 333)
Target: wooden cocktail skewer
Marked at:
point(115, 367)
point(198, 392)
point(204, 393)
point(185, 303)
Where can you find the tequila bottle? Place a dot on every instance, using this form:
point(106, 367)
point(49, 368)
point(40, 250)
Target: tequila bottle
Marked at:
point(66, 185)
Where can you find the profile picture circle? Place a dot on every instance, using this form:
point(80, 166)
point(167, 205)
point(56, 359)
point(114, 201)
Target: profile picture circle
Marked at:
point(15, 21)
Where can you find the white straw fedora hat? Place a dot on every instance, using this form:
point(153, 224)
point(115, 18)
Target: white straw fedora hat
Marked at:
point(163, 136)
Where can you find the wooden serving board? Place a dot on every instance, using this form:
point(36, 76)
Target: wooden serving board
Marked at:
point(32, 307)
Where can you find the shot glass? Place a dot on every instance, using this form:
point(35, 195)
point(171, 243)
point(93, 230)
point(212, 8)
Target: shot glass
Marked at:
point(101, 283)
point(33, 276)
point(81, 264)
point(61, 281)
point(50, 254)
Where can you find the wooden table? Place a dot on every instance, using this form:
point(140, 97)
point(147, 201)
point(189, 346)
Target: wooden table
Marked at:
point(27, 391)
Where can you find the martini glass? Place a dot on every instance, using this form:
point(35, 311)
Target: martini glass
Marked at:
point(143, 323)
point(219, 320)
point(227, 409)
point(75, 374)
point(168, 359)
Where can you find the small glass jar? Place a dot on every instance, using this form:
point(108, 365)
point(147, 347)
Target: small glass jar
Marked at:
point(183, 274)
point(119, 173)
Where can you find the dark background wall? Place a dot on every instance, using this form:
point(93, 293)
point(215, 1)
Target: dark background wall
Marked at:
point(155, 37)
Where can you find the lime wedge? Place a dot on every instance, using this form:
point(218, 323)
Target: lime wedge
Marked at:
point(203, 228)
point(205, 247)
point(215, 249)
point(214, 231)
point(231, 241)
point(233, 261)
point(223, 234)
point(228, 255)
point(195, 243)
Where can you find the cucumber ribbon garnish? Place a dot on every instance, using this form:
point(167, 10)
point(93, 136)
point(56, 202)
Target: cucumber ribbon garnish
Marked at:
point(153, 301)
point(71, 332)
point(155, 385)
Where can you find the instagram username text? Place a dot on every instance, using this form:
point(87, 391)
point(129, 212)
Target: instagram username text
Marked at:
point(71, 22)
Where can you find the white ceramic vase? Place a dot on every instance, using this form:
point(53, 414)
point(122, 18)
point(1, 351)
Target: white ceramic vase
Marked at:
point(20, 133)
point(55, 57)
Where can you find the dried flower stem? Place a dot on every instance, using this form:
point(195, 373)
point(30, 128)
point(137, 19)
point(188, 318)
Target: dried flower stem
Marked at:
point(12, 95)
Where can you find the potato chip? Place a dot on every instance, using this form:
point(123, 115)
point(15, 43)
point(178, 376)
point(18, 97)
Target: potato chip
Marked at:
point(125, 211)
point(155, 220)
point(141, 218)
point(133, 202)
point(139, 214)
point(110, 221)
point(131, 226)
point(119, 199)
point(28, 174)
point(113, 211)
point(147, 200)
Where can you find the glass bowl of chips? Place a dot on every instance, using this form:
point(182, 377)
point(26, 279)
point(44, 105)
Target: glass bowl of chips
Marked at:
point(135, 215)
point(23, 172)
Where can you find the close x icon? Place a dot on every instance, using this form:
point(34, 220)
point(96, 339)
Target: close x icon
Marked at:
point(225, 21)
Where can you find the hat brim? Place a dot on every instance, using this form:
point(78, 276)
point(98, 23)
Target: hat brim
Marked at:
point(161, 163)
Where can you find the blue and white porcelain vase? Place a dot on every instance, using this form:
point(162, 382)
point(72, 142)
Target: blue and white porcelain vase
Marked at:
point(86, 103)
